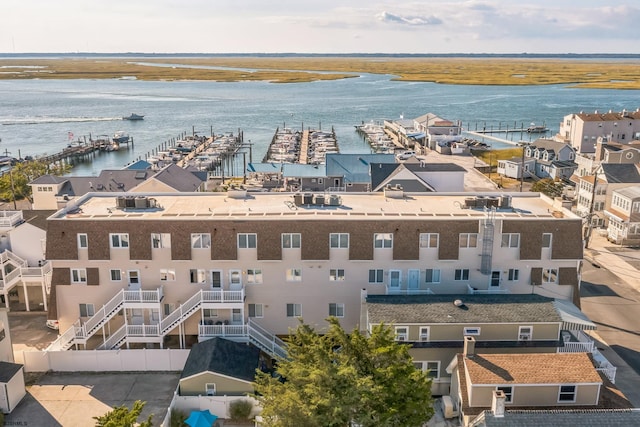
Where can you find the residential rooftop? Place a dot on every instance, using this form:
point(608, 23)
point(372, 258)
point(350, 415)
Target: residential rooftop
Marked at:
point(352, 206)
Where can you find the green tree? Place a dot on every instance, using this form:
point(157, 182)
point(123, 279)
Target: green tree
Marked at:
point(341, 378)
point(22, 174)
point(548, 186)
point(121, 416)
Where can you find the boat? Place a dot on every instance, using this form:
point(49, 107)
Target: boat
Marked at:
point(133, 116)
point(537, 128)
point(120, 137)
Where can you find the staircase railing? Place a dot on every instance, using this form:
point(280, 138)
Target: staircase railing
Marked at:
point(265, 340)
point(115, 339)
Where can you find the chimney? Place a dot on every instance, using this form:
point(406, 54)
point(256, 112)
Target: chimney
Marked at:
point(497, 403)
point(469, 346)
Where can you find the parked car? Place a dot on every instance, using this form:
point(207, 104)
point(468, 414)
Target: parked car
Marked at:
point(405, 155)
point(53, 324)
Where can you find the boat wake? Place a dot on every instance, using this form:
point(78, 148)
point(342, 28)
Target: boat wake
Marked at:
point(43, 120)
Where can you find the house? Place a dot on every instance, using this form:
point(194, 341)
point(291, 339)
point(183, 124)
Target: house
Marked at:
point(26, 274)
point(624, 216)
point(582, 130)
point(436, 130)
point(516, 381)
point(53, 192)
point(543, 158)
point(219, 367)
point(350, 172)
point(418, 176)
point(592, 202)
point(435, 326)
point(254, 261)
point(554, 417)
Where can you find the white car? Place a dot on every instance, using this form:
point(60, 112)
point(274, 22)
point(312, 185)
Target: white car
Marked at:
point(405, 155)
point(53, 324)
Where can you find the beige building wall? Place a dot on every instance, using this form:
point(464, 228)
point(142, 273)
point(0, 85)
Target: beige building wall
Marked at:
point(488, 331)
point(196, 385)
point(536, 395)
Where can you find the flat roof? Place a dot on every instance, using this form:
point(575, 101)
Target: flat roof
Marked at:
point(370, 206)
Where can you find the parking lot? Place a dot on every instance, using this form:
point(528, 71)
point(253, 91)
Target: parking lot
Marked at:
point(73, 399)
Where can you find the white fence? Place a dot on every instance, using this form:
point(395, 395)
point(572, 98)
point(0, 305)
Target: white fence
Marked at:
point(218, 405)
point(105, 360)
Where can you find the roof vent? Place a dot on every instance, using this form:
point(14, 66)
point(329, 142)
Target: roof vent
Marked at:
point(458, 303)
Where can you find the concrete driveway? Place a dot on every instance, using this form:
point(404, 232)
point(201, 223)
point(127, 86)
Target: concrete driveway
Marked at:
point(73, 399)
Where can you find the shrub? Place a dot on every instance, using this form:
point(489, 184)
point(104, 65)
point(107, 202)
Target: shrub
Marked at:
point(178, 418)
point(240, 409)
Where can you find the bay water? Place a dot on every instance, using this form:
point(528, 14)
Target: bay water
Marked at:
point(37, 116)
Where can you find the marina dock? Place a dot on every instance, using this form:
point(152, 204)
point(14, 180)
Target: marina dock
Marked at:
point(303, 147)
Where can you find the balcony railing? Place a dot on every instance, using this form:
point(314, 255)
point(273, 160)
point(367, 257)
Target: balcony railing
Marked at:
point(207, 331)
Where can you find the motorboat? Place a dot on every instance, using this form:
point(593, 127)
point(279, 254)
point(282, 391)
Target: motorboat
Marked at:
point(133, 116)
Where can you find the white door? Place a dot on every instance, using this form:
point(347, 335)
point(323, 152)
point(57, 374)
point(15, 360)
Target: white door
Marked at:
point(413, 279)
point(394, 279)
point(235, 279)
point(134, 279)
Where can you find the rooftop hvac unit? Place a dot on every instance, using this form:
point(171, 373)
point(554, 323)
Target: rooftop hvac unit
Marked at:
point(481, 202)
point(297, 199)
point(120, 202)
point(307, 199)
point(141, 202)
point(449, 409)
point(470, 202)
point(130, 202)
point(318, 199)
point(493, 201)
point(505, 202)
point(334, 200)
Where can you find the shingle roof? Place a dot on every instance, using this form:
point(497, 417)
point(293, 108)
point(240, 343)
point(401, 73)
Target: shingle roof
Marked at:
point(380, 172)
point(565, 418)
point(303, 171)
point(8, 370)
point(621, 172)
point(49, 179)
point(139, 165)
point(476, 309)
point(559, 368)
point(549, 145)
point(37, 218)
point(218, 355)
point(434, 167)
point(177, 178)
point(630, 192)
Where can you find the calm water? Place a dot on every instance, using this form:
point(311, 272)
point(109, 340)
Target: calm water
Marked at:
point(37, 115)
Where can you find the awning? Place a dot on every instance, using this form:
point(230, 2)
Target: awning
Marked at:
point(416, 135)
point(572, 318)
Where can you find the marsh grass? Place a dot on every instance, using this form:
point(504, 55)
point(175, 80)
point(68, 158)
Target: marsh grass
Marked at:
point(464, 71)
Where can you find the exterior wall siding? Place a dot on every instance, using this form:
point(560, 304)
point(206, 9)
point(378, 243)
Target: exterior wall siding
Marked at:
point(195, 385)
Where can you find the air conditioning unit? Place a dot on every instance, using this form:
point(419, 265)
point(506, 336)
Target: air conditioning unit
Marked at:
point(401, 337)
point(525, 337)
point(449, 408)
point(424, 337)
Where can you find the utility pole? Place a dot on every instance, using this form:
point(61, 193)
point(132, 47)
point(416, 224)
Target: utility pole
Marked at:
point(522, 168)
point(587, 237)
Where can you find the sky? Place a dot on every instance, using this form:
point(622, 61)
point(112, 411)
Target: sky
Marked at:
point(320, 26)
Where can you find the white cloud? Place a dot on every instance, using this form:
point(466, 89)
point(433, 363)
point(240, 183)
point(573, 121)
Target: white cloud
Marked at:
point(411, 20)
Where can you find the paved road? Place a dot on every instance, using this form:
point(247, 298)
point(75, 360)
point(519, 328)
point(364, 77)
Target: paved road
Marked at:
point(614, 306)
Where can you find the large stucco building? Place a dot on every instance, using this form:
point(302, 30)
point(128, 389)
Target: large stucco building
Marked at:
point(186, 267)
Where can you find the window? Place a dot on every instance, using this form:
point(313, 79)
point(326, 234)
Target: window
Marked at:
point(546, 240)
point(86, 310)
point(210, 389)
point(382, 240)
point(424, 333)
point(254, 275)
point(567, 393)
point(525, 333)
point(167, 309)
point(508, 393)
point(468, 240)
point(510, 240)
point(200, 240)
point(429, 240)
point(78, 275)
point(472, 331)
point(119, 240)
point(209, 313)
point(167, 275)
point(336, 274)
point(402, 333)
point(514, 274)
point(116, 275)
point(339, 240)
point(291, 240)
point(294, 310)
point(433, 369)
point(256, 310)
point(432, 275)
point(294, 275)
point(83, 241)
point(197, 275)
point(549, 275)
point(376, 276)
point(461, 274)
point(336, 310)
point(216, 278)
point(247, 241)
point(160, 240)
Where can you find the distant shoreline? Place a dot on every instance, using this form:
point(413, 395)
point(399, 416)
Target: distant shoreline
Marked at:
point(601, 71)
